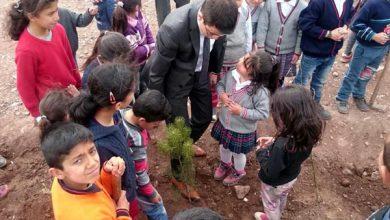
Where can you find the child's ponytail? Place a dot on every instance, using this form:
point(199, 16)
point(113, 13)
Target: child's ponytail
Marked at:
point(83, 109)
point(17, 15)
point(122, 9)
point(274, 77)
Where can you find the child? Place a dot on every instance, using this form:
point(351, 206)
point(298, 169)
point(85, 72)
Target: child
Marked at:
point(71, 20)
point(110, 47)
point(323, 25)
point(244, 93)
point(110, 88)
point(104, 16)
point(299, 128)
point(78, 189)
point(149, 110)
point(278, 33)
point(54, 107)
point(255, 7)
point(384, 170)
point(131, 22)
point(238, 44)
point(370, 26)
point(43, 56)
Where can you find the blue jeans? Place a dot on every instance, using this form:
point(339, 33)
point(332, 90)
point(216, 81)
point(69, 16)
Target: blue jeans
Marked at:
point(104, 16)
point(154, 211)
point(363, 57)
point(318, 69)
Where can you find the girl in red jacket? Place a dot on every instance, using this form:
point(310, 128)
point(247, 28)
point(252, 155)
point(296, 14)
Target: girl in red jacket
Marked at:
point(43, 55)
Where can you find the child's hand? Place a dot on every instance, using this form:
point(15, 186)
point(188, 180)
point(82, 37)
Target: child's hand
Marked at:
point(264, 141)
point(234, 108)
point(381, 38)
point(295, 58)
point(72, 90)
point(122, 201)
point(93, 10)
point(225, 99)
point(156, 199)
point(213, 78)
point(115, 166)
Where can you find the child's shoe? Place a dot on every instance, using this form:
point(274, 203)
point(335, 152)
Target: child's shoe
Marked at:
point(233, 178)
point(222, 171)
point(345, 58)
point(261, 216)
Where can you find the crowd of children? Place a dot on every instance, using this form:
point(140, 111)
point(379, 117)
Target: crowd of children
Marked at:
point(94, 128)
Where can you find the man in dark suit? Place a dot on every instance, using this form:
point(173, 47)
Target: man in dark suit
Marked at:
point(190, 44)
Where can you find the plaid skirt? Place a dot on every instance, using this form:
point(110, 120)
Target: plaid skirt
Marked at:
point(235, 142)
point(286, 68)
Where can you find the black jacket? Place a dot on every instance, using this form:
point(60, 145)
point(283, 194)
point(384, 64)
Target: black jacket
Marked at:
point(171, 68)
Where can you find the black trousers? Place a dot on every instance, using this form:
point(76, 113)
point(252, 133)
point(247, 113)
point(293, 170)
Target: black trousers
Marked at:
point(163, 8)
point(201, 111)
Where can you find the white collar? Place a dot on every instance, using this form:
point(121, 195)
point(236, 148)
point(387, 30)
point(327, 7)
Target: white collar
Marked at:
point(291, 2)
point(239, 85)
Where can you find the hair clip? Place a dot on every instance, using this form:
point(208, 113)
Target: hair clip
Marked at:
point(18, 7)
point(112, 98)
point(274, 60)
point(120, 4)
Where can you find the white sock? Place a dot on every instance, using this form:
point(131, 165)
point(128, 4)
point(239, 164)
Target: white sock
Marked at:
point(226, 155)
point(239, 162)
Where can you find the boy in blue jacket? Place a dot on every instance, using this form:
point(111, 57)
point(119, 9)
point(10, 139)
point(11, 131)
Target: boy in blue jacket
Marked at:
point(372, 28)
point(323, 29)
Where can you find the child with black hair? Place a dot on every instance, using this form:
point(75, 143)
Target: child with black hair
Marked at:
point(80, 188)
point(149, 110)
point(299, 128)
point(110, 88)
point(129, 20)
point(384, 170)
point(43, 56)
point(54, 107)
point(244, 94)
point(110, 47)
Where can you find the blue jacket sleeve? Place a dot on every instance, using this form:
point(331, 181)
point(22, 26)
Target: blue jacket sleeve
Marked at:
point(360, 27)
point(308, 20)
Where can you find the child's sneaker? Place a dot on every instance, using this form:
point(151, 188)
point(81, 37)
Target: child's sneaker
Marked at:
point(346, 58)
point(261, 216)
point(233, 178)
point(222, 171)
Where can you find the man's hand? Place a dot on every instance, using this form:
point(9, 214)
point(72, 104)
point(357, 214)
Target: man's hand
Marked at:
point(93, 10)
point(381, 38)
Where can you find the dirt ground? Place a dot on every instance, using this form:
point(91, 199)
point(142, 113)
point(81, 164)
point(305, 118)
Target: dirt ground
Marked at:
point(351, 141)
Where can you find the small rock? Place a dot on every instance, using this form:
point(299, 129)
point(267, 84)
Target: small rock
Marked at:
point(345, 182)
point(335, 74)
point(365, 173)
point(350, 166)
point(246, 200)
point(366, 143)
point(230, 215)
point(347, 171)
point(374, 208)
point(345, 196)
point(375, 176)
point(241, 191)
point(26, 113)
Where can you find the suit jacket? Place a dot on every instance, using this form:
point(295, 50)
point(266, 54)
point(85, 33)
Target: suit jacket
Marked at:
point(172, 66)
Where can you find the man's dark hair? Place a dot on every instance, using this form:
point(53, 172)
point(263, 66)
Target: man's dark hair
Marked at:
point(59, 139)
point(198, 214)
point(152, 105)
point(222, 14)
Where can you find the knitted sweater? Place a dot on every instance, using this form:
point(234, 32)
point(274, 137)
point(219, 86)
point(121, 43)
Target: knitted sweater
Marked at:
point(137, 141)
point(370, 20)
point(275, 32)
point(315, 20)
point(240, 41)
point(92, 203)
point(255, 107)
point(140, 36)
point(70, 20)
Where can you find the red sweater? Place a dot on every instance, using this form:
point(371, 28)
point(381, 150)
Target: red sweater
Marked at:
point(43, 65)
